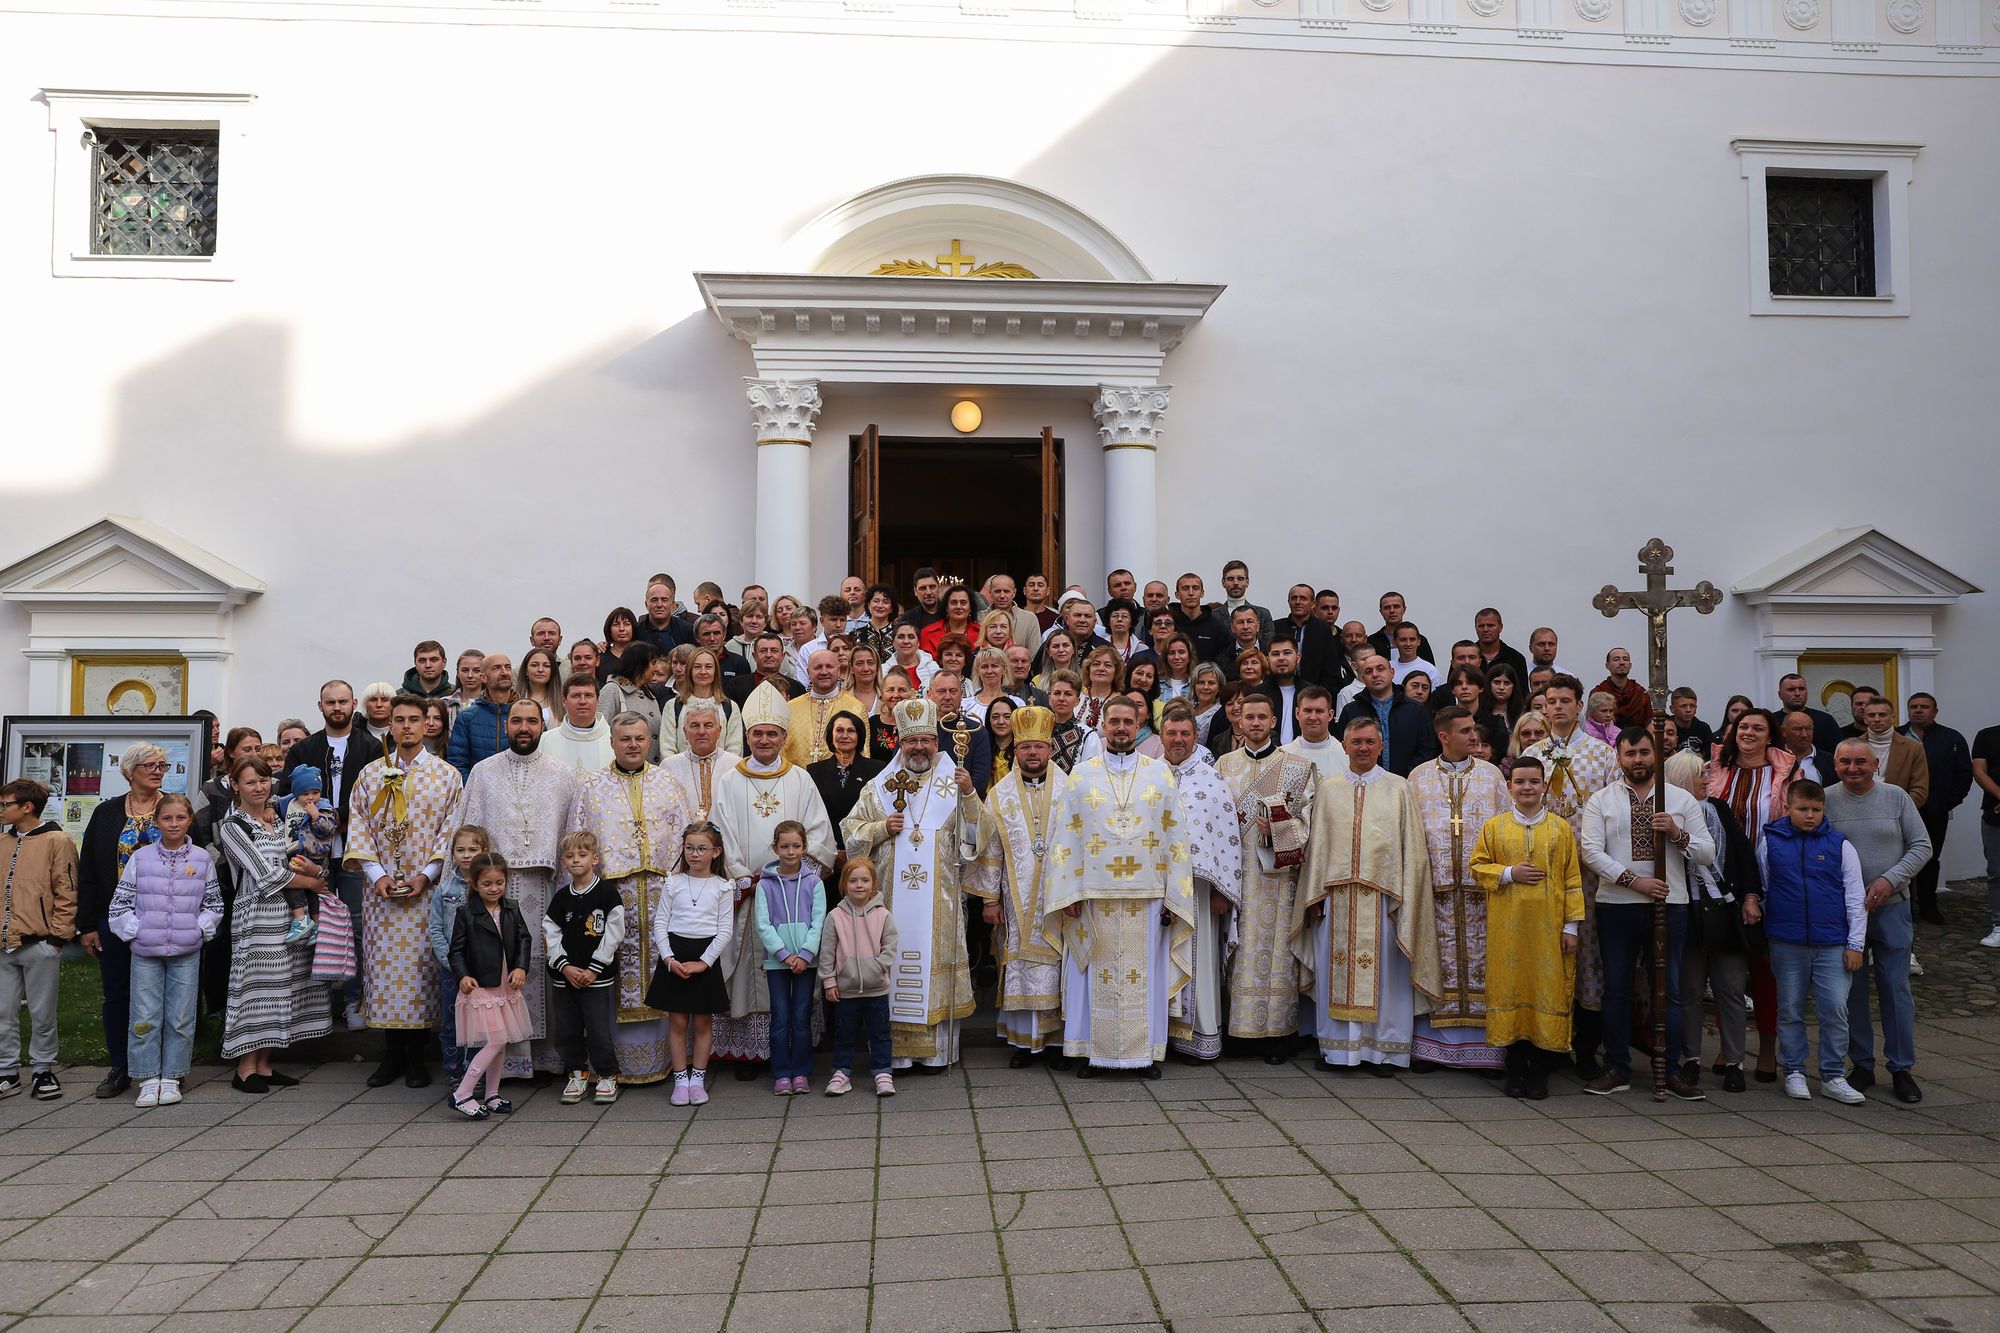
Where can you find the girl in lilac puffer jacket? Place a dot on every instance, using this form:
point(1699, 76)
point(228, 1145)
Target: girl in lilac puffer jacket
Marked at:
point(167, 905)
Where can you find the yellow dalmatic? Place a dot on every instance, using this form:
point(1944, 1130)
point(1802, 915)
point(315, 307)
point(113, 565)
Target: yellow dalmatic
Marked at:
point(1529, 979)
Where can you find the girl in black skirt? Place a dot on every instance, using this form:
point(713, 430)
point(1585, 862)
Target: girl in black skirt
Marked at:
point(690, 936)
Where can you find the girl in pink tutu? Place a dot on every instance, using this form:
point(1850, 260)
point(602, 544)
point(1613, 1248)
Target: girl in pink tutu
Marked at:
point(489, 956)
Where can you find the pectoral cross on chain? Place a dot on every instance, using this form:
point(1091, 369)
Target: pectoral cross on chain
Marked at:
point(902, 785)
point(1656, 562)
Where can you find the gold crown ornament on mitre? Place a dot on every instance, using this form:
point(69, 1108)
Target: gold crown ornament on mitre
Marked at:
point(916, 717)
point(1034, 723)
point(767, 708)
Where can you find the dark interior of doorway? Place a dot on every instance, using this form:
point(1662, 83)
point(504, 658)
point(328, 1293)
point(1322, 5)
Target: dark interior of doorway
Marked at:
point(970, 508)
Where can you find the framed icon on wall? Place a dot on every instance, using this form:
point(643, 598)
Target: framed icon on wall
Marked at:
point(1833, 676)
point(128, 685)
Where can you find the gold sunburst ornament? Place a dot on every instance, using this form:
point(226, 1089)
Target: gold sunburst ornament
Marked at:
point(954, 265)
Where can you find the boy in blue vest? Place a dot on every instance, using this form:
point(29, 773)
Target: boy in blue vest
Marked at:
point(1814, 916)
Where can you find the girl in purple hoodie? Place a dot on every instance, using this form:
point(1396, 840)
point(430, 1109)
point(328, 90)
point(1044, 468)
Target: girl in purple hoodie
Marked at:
point(167, 905)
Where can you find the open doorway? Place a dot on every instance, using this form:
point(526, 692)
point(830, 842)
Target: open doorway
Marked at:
point(970, 508)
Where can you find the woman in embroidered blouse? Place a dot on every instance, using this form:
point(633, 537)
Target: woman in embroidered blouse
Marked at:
point(880, 631)
point(1103, 676)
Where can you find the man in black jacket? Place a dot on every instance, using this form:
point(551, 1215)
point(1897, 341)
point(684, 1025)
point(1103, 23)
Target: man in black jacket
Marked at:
point(710, 629)
point(1208, 634)
point(1486, 629)
point(1320, 660)
point(1951, 781)
point(769, 652)
point(1393, 611)
point(663, 626)
point(1792, 691)
point(340, 750)
point(1409, 738)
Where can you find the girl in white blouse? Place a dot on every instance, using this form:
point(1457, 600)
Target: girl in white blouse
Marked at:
point(690, 936)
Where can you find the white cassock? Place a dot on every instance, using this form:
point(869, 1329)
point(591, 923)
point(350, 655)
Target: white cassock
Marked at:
point(522, 802)
point(750, 802)
point(1328, 756)
point(1121, 857)
point(1030, 995)
point(1215, 851)
point(699, 779)
point(586, 751)
point(924, 873)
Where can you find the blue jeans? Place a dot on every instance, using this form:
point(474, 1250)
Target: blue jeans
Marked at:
point(791, 1021)
point(1625, 937)
point(449, 1050)
point(164, 994)
point(1819, 967)
point(856, 1015)
point(352, 888)
point(1889, 935)
point(114, 969)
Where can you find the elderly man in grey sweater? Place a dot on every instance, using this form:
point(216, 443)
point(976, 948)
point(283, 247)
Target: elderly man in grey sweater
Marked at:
point(1888, 835)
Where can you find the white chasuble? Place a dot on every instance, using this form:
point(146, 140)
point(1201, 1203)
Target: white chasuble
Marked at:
point(638, 819)
point(400, 824)
point(1215, 851)
point(1579, 768)
point(1455, 801)
point(1264, 984)
point(924, 873)
point(1030, 994)
point(1121, 859)
point(521, 801)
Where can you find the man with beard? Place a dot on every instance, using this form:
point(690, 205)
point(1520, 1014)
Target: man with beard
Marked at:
point(340, 751)
point(1272, 791)
point(521, 797)
point(763, 790)
point(581, 740)
point(399, 838)
point(699, 767)
point(1215, 851)
point(927, 858)
point(1122, 894)
point(1030, 992)
point(637, 812)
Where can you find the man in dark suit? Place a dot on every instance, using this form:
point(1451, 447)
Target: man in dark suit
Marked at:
point(1951, 781)
point(1792, 690)
point(664, 625)
point(1236, 590)
point(769, 651)
point(1810, 762)
point(1320, 660)
point(1384, 639)
point(1410, 738)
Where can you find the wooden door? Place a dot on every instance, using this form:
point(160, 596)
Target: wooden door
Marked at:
point(864, 505)
point(1052, 508)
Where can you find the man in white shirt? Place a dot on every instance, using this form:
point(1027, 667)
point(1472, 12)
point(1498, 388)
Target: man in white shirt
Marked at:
point(583, 739)
point(1621, 828)
point(1284, 656)
point(1315, 742)
point(1409, 656)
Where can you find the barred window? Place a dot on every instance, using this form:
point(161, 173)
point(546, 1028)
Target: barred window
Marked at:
point(153, 191)
point(1822, 235)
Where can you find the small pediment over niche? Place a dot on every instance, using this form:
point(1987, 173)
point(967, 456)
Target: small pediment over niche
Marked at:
point(122, 562)
point(1859, 567)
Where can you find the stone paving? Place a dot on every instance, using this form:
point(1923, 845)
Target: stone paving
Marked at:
point(1236, 1196)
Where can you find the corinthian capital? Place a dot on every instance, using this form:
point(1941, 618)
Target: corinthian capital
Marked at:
point(785, 410)
point(1131, 416)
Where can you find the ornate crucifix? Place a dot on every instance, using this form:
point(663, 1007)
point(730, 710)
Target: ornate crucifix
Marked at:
point(902, 784)
point(1656, 562)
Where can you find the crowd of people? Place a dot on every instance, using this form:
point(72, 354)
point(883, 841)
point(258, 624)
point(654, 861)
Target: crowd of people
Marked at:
point(1155, 825)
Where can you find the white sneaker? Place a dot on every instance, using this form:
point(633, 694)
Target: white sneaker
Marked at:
point(1795, 1086)
point(697, 1087)
point(355, 1022)
point(1841, 1091)
point(607, 1092)
point(149, 1095)
point(1992, 940)
point(170, 1091)
point(1916, 968)
point(573, 1090)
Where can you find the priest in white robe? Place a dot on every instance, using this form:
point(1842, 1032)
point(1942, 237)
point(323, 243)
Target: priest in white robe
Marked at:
point(1030, 958)
point(1215, 855)
point(762, 791)
point(921, 824)
point(1456, 794)
point(521, 797)
point(1123, 896)
point(637, 812)
point(582, 740)
point(699, 766)
point(1315, 742)
point(1364, 931)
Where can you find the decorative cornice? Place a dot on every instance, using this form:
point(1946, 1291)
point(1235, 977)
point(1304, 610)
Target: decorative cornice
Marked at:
point(1827, 147)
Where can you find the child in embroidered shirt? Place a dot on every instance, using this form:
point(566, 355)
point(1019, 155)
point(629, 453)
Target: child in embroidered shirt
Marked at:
point(690, 936)
point(447, 899)
point(310, 826)
point(789, 912)
point(582, 929)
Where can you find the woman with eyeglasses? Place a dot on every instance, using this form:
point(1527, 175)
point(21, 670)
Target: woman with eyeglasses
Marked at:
point(118, 827)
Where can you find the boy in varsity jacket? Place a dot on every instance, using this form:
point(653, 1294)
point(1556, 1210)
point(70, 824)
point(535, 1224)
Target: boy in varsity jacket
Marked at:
point(582, 929)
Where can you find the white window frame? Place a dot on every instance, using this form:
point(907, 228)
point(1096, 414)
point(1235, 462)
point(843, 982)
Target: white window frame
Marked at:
point(73, 112)
point(1889, 165)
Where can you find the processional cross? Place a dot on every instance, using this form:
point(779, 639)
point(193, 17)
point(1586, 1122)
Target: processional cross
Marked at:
point(1656, 562)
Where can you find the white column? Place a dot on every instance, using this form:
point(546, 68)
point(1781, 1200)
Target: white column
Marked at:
point(785, 412)
point(1129, 426)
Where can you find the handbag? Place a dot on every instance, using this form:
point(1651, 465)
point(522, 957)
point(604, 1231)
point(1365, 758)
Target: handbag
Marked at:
point(333, 947)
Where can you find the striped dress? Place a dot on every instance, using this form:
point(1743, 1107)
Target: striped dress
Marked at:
point(273, 1000)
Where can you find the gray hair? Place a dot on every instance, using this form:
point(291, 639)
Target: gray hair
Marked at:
point(1208, 669)
point(697, 704)
point(381, 689)
point(1687, 770)
point(293, 722)
point(137, 753)
point(630, 718)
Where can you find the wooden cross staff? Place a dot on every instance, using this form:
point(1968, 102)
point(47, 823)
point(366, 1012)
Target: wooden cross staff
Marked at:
point(1656, 562)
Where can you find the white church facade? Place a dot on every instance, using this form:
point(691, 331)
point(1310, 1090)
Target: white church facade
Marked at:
point(390, 321)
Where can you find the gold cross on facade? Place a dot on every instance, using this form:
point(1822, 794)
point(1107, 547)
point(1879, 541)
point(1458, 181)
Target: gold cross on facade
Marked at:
point(1123, 867)
point(952, 262)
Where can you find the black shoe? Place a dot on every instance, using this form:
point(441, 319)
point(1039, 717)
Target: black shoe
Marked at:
point(1932, 915)
point(1767, 1076)
point(277, 1080)
point(1691, 1071)
point(46, 1089)
point(927, 1071)
point(1020, 1059)
point(416, 1076)
point(255, 1083)
point(1276, 1058)
point(1587, 1067)
point(1088, 1070)
point(1538, 1085)
point(113, 1083)
point(1719, 1068)
point(385, 1073)
point(1058, 1061)
point(1732, 1079)
point(1153, 1071)
point(1907, 1090)
point(10, 1086)
point(746, 1070)
point(1515, 1086)
point(1860, 1079)
point(1381, 1070)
